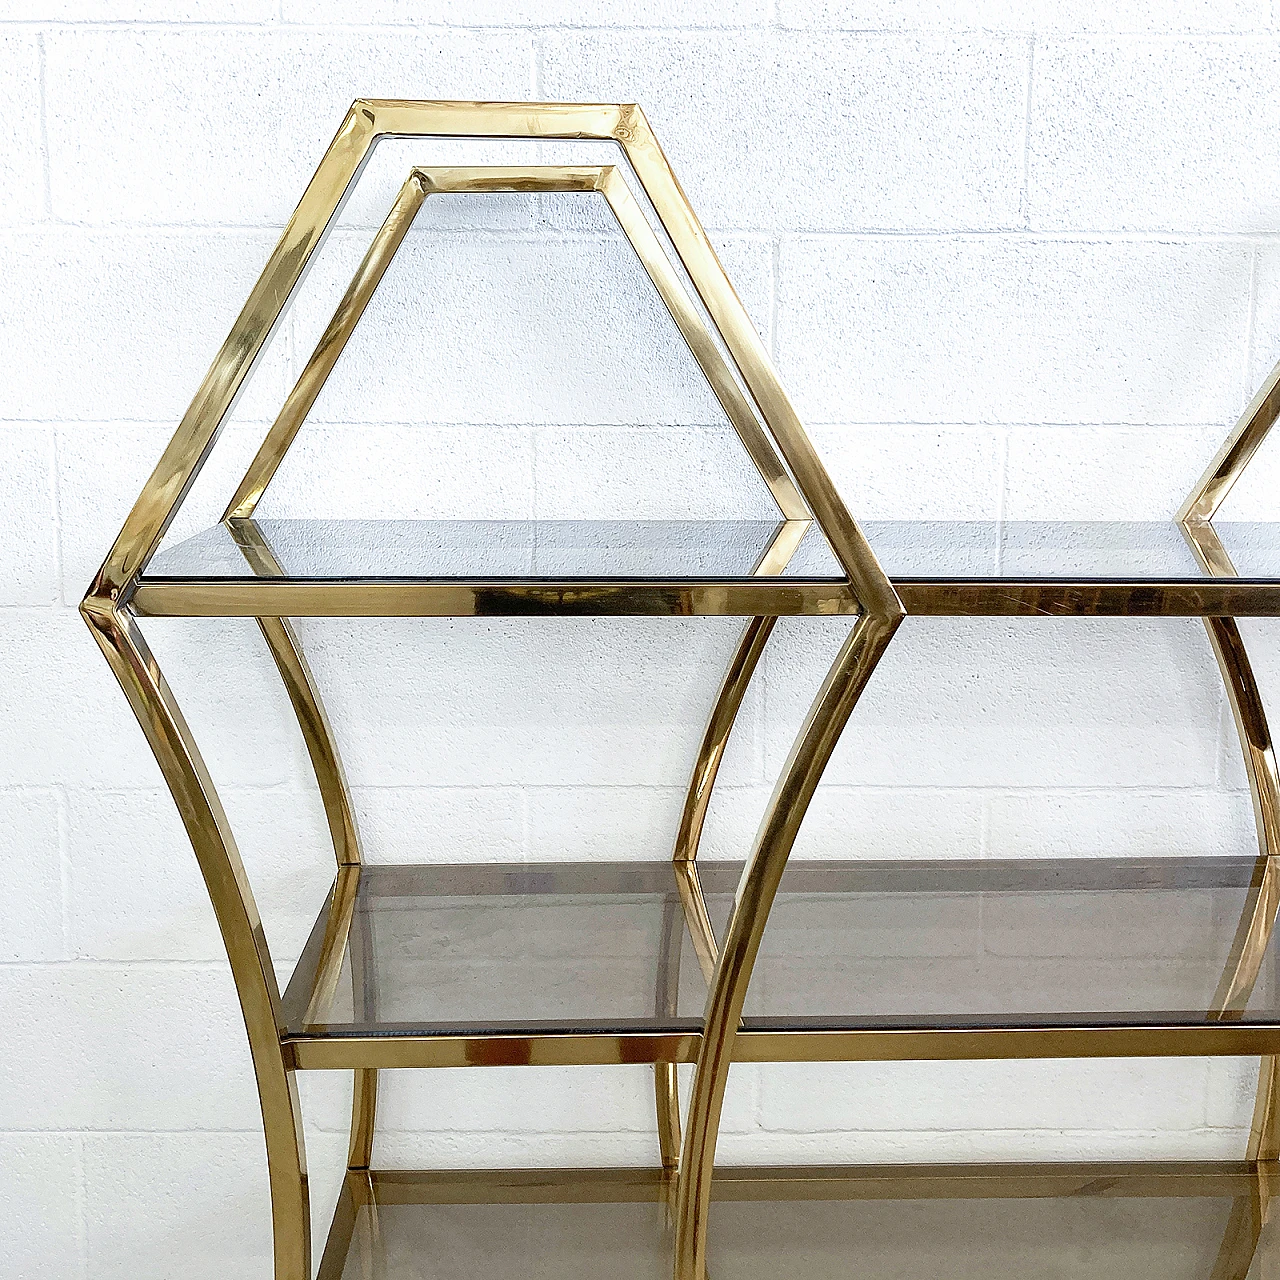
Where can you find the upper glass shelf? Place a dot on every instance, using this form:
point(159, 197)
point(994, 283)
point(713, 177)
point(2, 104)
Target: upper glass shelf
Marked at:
point(464, 567)
point(1082, 550)
point(528, 550)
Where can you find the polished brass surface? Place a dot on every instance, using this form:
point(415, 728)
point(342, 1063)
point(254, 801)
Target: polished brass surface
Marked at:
point(1250, 718)
point(1264, 1137)
point(334, 945)
point(697, 919)
point(184, 770)
point(1239, 447)
point(939, 1044)
point(345, 1053)
point(367, 122)
point(364, 1090)
point(317, 733)
point(799, 484)
point(733, 689)
point(666, 1082)
point(1257, 921)
point(715, 739)
point(1252, 938)
point(300, 684)
point(332, 342)
point(1175, 1179)
point(994, 945)
point(765, 597)
point(757, 888)
point(700, 342)
point(573, 597)
point(1017, 598)
point(364, 1112)
point(737, 367)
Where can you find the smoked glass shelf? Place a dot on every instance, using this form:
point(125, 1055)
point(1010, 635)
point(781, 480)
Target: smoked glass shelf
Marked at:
point(668, 962)
point(959, 1222)
point(591, 962)
point(494, 567)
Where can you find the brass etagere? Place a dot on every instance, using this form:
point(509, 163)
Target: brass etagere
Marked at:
point(690, 998)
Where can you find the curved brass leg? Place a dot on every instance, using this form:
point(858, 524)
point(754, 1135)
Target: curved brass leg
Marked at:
point(1258, 918)
point(331, 779)
point(1264, 1141)
point(666, 1084)
point(184, 770)
point(754, 898)
point(300, 684)
point(286, 651)
point(724, 714)
point(364, 1098)
point(733, 689)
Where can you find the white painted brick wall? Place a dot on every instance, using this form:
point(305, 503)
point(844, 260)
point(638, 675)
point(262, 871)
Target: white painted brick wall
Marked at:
point(1013, 260)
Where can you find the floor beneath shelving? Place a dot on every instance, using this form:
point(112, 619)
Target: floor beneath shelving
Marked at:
point(1056, 1222)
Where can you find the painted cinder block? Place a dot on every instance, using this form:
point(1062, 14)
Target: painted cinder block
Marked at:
point(1015, 330)
point(1029, 15)
point(21, 156)
point(1103, 114)
point(880, 131)
point(44, 1209)
point(124, 1046)
point(27, 517)
point(282, 838)
point(169, 144)
point(1028, 702)
point(32, 911)
point(106, 329)
point(536, 13)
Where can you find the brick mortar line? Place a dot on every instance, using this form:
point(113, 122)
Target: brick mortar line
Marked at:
point(766, 25)
point(83, 425)
point(1101, 236)
point(1013, 790)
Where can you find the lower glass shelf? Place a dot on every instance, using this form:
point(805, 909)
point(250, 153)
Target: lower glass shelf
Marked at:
point(478, 953)
point(1200, 1221)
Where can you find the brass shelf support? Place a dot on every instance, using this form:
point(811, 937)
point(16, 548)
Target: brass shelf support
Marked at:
point(717, 331)
point(1257, 920)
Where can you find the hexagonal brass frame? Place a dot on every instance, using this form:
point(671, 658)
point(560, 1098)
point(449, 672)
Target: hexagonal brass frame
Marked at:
point(748, 389)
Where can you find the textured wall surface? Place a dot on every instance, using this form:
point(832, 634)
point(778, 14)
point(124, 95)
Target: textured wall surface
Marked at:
point(1013, 259)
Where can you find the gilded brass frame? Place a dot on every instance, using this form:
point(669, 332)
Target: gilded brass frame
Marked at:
point(1257, 922)
point(748, 390)
point(740, 373)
